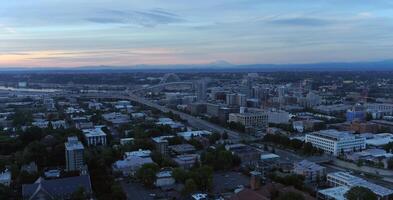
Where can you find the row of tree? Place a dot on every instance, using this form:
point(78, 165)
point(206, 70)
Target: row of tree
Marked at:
point(294, 144)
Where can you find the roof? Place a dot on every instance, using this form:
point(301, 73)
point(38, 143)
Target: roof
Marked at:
point(58, 187)
point(333, 134)
point(73, 144)
point(307, 165)
point(180, 148)
point(269, 156)
point(132, 161)
point(164, 174)
point(188, 134)
point(5, 176)
point(161, 139)
point(248, 194)
point(94, 132)
point(139, 153)
point(352, 181)
point(335, 193)
point(380, 139)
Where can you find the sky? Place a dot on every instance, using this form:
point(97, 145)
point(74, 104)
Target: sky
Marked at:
point(71, 33)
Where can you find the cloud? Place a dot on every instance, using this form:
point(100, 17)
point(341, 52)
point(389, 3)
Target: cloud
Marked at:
point(102, 20)
point(149, 18)
point(301, 21)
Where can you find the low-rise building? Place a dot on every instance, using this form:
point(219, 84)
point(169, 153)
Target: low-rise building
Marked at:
point(278, 117)
point(186, 161)
point(164, 178)
point(345, 179)
point(95, 136)
point(188, 135)
point(379, 140)
point(116, 118)
point(169, 122)
point(311, 171)
point(132, 162)
point(247, 154)
point(53, 189)
point(336, 142)
point(254, 119)
point(182, 149)
point(55, 124)
point(335, 193)
point(124, 141)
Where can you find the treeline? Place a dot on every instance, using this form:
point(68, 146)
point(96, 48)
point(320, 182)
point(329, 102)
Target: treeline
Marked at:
point(220, 158)
point(294, 144)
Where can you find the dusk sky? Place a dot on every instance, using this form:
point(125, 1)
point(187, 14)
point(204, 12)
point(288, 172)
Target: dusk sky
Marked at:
point(68, 33)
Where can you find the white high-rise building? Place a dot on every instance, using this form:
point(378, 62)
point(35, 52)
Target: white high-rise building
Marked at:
point(74, 154)
point(335, 142)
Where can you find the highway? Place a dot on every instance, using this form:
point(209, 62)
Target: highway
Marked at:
point(192, 120)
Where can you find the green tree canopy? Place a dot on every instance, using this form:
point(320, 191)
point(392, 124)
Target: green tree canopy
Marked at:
point(290, 196)
point(360, 193)
point(147, 173)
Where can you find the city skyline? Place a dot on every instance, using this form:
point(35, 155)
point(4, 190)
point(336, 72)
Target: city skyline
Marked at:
point(72, 33)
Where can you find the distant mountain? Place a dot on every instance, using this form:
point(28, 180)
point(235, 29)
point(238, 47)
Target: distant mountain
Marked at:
point(220, 66)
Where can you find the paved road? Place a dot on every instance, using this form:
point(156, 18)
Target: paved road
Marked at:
point(193, 121)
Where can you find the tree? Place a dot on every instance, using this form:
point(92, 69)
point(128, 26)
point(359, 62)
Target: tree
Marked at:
point(360, 193)
point(79, 194)
point(214, 137)
point(189, 187)
point(6, 193)
point(118, 193)
point(390, 163)
point(224, 136)
point(180, 175)
point(147, 174)
point(290, 196)
point(203, 177)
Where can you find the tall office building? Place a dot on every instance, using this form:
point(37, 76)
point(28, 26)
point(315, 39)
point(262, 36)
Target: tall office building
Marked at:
point(200, 88)
point(74, 154)
point(236, 100)
point(249, 83)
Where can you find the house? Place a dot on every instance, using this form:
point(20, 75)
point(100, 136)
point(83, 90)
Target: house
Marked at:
point(53, 189)
point(164, 178)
